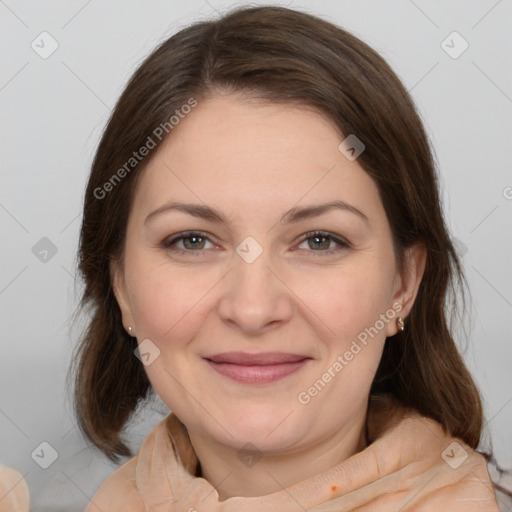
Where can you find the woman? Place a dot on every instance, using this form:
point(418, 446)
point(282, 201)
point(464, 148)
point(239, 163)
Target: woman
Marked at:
point(263, 247)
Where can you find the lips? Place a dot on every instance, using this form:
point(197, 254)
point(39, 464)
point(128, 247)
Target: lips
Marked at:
point(258, 368)
point(261, 359)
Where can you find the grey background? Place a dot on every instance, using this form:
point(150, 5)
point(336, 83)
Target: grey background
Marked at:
point(53, 111)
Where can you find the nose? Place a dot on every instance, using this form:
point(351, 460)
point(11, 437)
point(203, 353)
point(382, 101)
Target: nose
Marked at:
point(255, 297)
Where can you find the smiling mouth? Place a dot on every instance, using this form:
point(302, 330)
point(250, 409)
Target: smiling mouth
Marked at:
point(262, 368)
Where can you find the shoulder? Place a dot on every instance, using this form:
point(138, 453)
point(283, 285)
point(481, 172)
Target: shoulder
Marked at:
point(14, 489)
point(118, 492)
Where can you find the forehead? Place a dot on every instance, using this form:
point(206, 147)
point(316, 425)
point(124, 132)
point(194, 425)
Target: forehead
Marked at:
point(241, 154)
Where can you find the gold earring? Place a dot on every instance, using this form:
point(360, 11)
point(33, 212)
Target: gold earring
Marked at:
point(400, 323)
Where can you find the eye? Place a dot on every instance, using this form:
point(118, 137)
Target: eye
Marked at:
point(320, 240)
point(193, 241)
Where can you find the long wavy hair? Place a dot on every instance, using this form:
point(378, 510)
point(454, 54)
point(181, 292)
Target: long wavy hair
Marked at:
point(289, 57)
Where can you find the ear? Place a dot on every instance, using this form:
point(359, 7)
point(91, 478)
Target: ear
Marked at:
point(407, 283)
point(120, 292)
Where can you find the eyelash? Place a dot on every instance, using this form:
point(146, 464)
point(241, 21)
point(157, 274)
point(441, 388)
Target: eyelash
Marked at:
point(342, 244)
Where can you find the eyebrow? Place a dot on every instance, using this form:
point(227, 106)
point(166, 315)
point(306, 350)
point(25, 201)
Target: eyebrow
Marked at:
point(293, 215)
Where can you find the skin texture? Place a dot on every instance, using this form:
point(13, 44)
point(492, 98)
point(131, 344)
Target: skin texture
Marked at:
point(14, 494)
point(253, 162)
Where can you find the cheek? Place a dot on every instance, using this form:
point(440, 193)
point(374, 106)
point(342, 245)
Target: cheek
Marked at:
point(351, 305)
point(168, 305)
point(168, 301)
point(350, 300)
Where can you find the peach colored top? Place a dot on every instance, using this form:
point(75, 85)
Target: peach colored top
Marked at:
point(409, 465)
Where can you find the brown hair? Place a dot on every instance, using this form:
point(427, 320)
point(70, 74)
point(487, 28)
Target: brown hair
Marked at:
point(279, 55)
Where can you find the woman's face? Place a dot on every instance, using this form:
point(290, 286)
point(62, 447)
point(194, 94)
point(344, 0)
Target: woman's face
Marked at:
point(254, 330)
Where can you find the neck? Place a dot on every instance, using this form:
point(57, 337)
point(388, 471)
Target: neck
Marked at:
point(258, 474)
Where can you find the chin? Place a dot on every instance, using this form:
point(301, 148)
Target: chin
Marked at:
point(268, 431)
